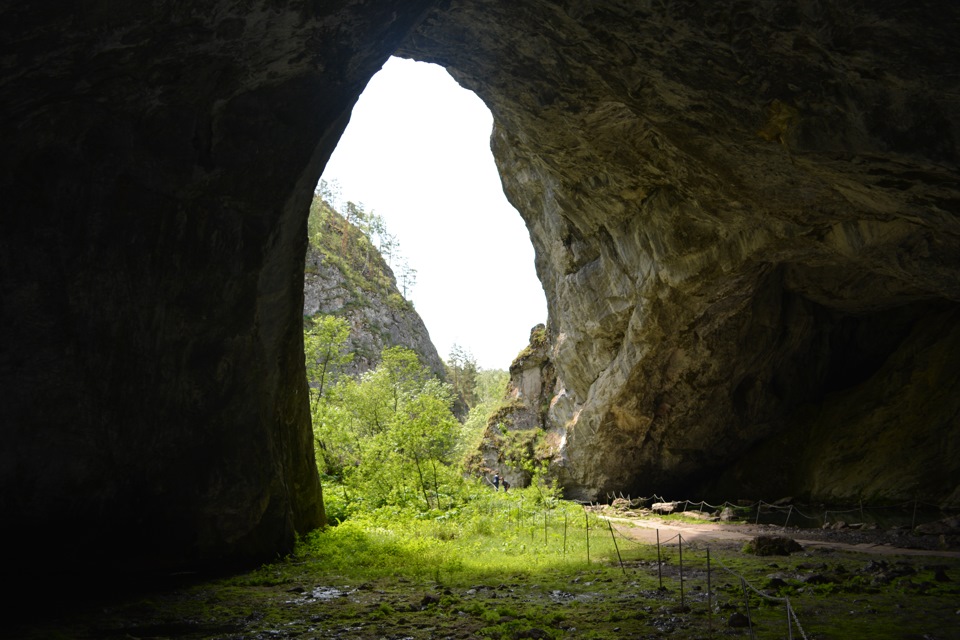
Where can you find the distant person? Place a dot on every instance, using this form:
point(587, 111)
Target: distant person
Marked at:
point(496, 482)
point(506, 485)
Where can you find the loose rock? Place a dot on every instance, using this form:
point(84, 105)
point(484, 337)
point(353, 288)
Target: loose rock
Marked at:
point(772, 546)
point(738, 620)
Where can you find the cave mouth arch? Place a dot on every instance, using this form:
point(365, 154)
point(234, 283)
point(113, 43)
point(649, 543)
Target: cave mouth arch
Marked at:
point(417, 152)
point(152, 239)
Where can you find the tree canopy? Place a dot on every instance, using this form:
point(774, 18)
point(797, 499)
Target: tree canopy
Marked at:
point(390, 436)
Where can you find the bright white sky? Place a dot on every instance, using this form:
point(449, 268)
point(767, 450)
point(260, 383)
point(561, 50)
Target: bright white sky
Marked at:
point(417, 152)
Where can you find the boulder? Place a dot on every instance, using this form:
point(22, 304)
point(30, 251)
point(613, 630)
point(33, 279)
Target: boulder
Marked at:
point(728, 515)
point(946, 526)
point(772, 546)
point(664, 508)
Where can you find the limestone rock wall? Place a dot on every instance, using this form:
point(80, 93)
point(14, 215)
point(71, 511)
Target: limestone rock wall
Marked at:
point(158, 160)
point(378, 319)
point(519, 437)
point(740, 212)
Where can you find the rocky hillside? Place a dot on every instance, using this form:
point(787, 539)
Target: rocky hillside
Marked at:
point(345, 276)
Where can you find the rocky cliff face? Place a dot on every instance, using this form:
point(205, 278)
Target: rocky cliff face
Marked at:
point(379, 317)
point(519, 437)
point(158, 161)
point(744, 215)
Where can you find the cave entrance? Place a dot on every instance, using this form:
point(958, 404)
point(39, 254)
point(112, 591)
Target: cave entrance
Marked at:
point(417, 153)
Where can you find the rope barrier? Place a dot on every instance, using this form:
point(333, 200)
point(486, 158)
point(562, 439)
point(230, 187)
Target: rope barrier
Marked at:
point(791, 514)
point(769, 506)
point(642, 544)
point(752, 588)
point(791, 612)
point(679, 538)
point(746, 605)
point(746, 584)
point(792, 617)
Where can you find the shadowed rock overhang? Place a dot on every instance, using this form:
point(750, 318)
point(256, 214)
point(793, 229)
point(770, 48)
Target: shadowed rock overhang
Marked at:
point(745, 219)
point(744, 216)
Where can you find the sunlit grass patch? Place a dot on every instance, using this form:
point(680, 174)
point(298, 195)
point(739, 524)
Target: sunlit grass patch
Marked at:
point(491, 569)
point(492, 535)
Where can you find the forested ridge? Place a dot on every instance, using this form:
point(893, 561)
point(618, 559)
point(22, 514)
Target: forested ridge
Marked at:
point(349, 273)
point(358, 242)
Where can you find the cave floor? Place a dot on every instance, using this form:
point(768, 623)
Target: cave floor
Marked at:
point(838, 586)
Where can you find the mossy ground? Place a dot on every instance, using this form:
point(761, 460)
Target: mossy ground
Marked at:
point(495, 573)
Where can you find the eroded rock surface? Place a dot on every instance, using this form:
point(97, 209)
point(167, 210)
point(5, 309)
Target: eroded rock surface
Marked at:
point(158, 160)
point(378, 316)
point(376, 320)
point(745, 217)
point(519, 432)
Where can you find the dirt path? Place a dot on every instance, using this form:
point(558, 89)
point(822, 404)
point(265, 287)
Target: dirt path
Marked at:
point(645, 530)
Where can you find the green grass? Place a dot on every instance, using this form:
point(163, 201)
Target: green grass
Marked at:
point(494, 534)
point(485, 570)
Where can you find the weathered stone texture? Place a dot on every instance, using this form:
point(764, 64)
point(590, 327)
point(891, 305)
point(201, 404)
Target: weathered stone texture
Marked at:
point(377, 317)
point(722, 198)
point(518, 432)
point(745, 216)
point(158, 160)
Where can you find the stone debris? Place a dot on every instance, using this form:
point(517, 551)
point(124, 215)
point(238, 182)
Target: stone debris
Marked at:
point(772, 546)
point(664, 508)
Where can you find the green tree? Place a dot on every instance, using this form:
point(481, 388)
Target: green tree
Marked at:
point(491, 385)
point(317, 220)
point(490, 390)
point(401, 372)
point(325, 355)
point(390, 435)
point(408, 279)
point(462, 372)
point(329, 192)
point(324, 344)
point(424, 433)
point(386, 242)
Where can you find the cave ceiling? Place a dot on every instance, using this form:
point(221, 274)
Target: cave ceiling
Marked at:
point(739, 210)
